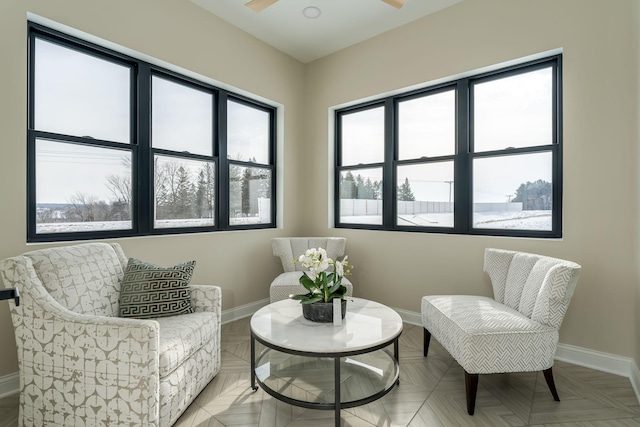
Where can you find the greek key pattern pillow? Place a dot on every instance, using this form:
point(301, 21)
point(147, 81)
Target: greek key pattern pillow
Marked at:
point(150, 291)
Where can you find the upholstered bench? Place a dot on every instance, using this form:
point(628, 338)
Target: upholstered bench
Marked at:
point(517, 330)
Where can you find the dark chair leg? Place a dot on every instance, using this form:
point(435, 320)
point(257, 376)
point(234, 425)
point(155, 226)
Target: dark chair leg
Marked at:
point(548, 375)
point(471, 383)
point(427, 340)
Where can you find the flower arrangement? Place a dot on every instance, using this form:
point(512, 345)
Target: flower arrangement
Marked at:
point(322, 287)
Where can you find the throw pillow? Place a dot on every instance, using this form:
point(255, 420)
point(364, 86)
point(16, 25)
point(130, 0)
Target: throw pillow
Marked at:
point(150, 291)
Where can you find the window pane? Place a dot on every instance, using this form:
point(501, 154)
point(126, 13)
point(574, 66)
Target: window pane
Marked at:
point(427, 126)
point(514, 111)
point(425, 195)
point(248, 133)
point(513, 192)
point(181, 118)
point(184, 192)
point(361, 196)
point(363, 137)
point(81, 95)
point(249, 195)
point(81, 188)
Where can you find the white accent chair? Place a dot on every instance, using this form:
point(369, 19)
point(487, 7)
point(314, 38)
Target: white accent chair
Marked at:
point(290, 249)
point(517, 330)
point(82, 365)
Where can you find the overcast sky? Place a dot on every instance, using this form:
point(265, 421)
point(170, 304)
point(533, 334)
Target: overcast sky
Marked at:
point(80, 95)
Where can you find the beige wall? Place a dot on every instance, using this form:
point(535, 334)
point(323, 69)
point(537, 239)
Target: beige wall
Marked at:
point(600, 154)
point(636, 40)
point(185, 35)
point(600, 146)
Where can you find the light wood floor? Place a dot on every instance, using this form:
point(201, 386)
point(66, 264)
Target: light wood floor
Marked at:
point(431, 393)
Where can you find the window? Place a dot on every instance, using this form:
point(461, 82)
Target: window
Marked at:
point(120, 147)
point(480, 155)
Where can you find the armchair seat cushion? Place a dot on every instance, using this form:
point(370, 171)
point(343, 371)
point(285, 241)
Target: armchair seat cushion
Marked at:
point(485, 336)
point(182, 336)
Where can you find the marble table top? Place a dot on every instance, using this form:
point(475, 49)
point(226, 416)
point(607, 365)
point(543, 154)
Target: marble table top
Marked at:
point(366, 324)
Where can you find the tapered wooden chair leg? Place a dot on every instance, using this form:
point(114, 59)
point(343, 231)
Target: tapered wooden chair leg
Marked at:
point(548, 376)
point(427, 340)
point(471, 383)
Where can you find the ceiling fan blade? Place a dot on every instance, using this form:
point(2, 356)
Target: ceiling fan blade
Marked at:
point(259, 5)
point(395, 3)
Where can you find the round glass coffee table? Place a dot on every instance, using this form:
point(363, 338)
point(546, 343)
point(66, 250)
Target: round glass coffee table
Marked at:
point(322, 366)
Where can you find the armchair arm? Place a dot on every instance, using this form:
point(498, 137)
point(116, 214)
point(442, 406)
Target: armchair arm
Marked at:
point(209, 298)
point(78, 360)
point(206, 298)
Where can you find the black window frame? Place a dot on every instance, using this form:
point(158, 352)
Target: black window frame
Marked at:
point(462, 158)
point(142, 179)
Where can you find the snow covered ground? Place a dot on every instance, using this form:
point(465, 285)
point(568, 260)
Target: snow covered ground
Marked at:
point(521, 220)
point(74, 227)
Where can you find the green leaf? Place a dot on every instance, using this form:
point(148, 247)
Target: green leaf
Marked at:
point(307, 282)
point(299, 297)
point(338, 290)
point(312, 300)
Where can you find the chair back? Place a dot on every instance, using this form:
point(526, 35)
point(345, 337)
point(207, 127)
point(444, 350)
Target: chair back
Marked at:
point(290, 248)
point(83, 278)
point(538, 286)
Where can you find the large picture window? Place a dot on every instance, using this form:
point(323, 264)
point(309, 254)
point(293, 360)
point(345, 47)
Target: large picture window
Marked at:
point(479, 155)
point(121, 147)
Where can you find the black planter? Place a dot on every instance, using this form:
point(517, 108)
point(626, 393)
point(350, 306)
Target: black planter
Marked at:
point(322, 312)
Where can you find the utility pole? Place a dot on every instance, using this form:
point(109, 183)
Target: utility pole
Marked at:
point(450, 188)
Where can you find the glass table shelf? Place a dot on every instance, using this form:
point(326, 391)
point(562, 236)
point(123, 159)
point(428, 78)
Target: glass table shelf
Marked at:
point(309, 381)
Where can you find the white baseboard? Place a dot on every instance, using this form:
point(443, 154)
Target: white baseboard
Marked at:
point(593, 359)
point(605, 362)
point(410, 317)
point(243, 311)
point(9, 384)
point(634, 377)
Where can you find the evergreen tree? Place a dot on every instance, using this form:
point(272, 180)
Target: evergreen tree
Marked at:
point(359, 187)
point(348, 187)
point(377, 190)
point(245, 192)
point(535, 195)
point(205, 191)
point(404, 192)
point(184, 201)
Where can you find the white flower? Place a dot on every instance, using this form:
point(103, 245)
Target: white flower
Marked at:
point(317, 283)
point(315, 260)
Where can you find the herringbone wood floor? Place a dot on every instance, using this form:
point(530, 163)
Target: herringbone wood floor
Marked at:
point(431, 393)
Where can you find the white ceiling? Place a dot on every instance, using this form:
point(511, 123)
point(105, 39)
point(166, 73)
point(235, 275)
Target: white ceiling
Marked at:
point(341, 23)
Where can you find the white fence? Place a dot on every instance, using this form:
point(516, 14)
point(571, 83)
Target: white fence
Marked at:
point(361, 207)
point(497, 207)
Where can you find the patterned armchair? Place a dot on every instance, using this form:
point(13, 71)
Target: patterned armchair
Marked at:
point(517, 330)
point(82, 365)
point(290, 249)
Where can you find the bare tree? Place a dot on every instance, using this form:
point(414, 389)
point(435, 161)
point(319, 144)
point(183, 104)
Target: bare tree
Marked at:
point(43, 215)
point(120, 188)
point(83, 207)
